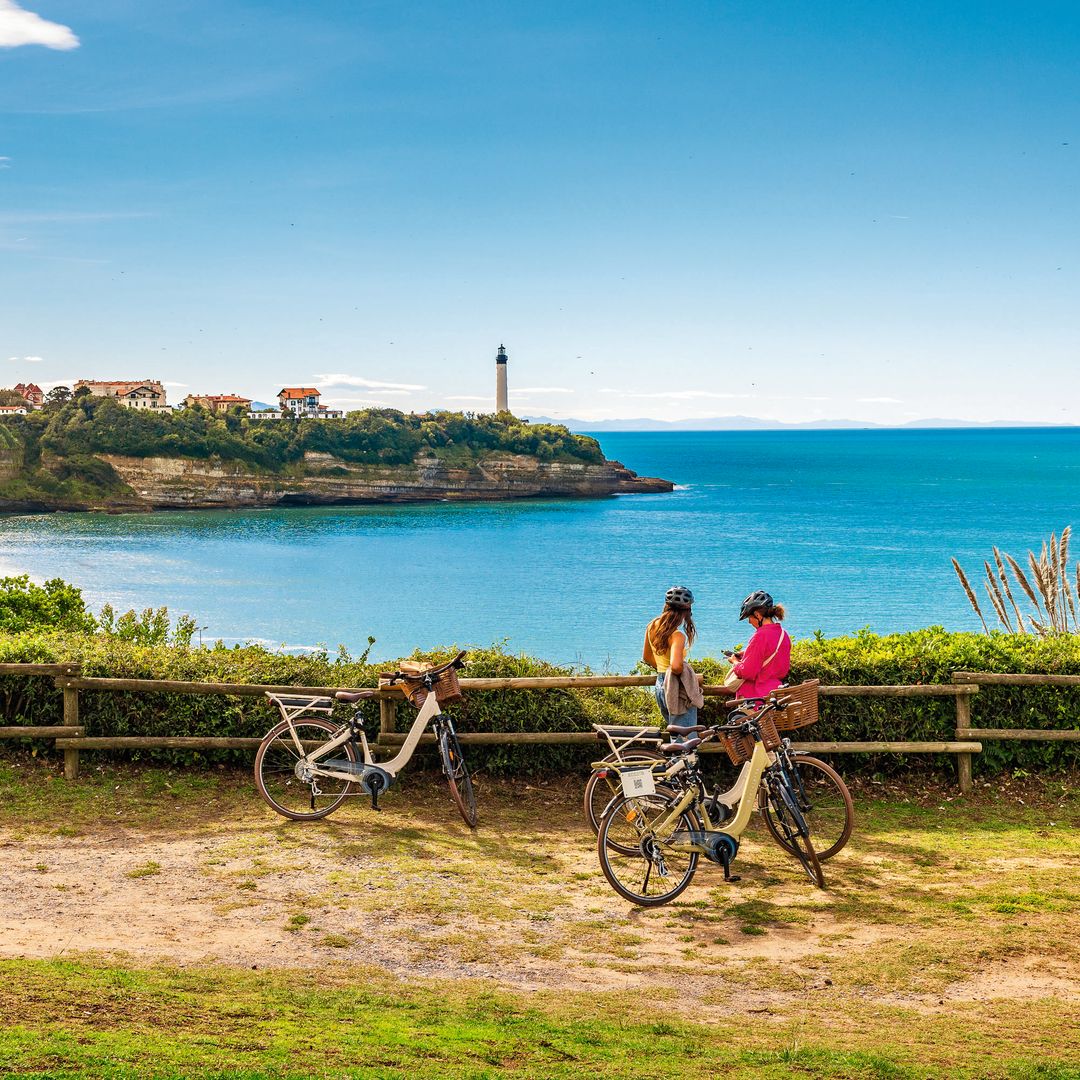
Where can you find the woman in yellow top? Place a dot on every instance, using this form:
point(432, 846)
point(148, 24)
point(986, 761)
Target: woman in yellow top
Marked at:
point(667, 640)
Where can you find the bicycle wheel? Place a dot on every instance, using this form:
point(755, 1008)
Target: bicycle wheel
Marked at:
point(275, 771)
point(825, 802)
point(793, 828)
point(655, 873)
point(601, 790)
point(457, 774)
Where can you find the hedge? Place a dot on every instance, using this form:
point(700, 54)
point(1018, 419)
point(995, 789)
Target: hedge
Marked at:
point(923, 656)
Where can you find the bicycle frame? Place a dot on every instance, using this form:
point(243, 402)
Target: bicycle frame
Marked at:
point(743, 795)
point(428, 712)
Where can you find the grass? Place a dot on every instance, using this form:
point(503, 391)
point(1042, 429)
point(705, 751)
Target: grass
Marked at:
point(406, 945)
point(86, 1019)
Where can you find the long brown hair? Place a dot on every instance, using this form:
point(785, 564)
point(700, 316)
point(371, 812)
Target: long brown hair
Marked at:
point(670, 620)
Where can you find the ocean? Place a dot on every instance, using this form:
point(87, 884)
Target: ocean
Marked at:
point(847, 529)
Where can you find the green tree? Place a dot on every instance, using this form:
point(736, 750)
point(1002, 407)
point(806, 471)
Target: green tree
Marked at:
point(54, 605)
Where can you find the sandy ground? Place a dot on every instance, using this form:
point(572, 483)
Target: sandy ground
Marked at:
point(526, 907)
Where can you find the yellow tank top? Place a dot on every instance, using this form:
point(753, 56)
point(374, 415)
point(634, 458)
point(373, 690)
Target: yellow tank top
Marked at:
point(663, 659)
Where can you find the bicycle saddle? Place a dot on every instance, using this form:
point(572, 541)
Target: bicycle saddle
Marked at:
point(359, 695)
point(680, 747)
point(675, 729)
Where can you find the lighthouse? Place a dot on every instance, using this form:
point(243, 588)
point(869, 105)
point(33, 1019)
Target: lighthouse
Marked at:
point(501, 404)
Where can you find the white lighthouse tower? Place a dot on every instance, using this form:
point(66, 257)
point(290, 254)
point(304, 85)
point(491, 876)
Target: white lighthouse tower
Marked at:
point(501, 404)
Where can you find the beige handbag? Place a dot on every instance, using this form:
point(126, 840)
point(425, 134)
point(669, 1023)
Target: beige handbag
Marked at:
point(733, 682)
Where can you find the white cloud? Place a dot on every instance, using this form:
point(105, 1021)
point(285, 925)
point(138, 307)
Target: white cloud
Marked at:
point(20, 27)
point(357, 382)
point(5, 162)
point(880, 401)
point(25, 359)
point(470, 397)
point(678, 395)
point(542, 390)
point(175, 384)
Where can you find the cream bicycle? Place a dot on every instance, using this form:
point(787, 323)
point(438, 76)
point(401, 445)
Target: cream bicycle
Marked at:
point(651, 836)
point(820, 791)
point(296, 774)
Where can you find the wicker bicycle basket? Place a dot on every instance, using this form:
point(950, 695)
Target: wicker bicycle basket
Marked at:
point(801, 706)
point(770, 737)
point(740, 748)
point(447, 688)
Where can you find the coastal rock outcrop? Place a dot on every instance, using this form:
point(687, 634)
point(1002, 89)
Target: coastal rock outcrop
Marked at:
point(323, 479)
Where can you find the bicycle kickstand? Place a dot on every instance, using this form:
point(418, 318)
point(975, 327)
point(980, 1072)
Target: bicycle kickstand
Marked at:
point(375, 786)
point(725, 861)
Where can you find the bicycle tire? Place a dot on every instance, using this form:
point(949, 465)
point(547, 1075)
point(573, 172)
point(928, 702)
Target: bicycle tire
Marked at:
point(794, 828)
point(824, 799)
point(457, 774)
point(622, 871)
point(601, 791)
point(278, 784)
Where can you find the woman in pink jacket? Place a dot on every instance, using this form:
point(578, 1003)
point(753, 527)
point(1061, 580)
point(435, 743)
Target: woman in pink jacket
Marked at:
point(765, 663)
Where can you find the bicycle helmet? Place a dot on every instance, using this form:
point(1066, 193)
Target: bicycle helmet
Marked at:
point(679, 596)
point(757, 599)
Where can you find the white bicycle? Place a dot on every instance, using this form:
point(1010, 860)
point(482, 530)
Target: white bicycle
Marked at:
point(296, 774)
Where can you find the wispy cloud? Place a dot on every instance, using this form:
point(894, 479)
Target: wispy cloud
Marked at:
point(470, 397)
point(360, 401)
point(543, 390)
point(176, 385)
point(351, 382)
point(676, 395)
point(5, 162)
point(26, 359)
point(37, 217)
point(21, 27)
point(880, 401)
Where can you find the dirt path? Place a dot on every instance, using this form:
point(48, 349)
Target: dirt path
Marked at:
point(522, 902)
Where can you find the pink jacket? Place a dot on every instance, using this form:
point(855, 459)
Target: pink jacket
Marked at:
point(761, 678)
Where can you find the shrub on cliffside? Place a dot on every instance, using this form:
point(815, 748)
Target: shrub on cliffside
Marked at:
point(87, 425)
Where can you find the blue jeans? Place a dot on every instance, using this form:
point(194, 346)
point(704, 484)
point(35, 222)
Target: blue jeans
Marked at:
point(686, 719)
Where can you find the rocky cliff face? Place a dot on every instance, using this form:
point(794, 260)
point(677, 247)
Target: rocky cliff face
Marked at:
point(179, 483)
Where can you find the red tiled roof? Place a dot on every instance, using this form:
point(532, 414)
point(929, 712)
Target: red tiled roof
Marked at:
point(292, 392)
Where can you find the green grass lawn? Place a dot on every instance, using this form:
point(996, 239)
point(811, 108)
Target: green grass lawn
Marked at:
point(402, 945)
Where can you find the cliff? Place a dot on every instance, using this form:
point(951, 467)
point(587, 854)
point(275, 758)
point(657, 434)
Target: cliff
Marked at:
point(172, 483)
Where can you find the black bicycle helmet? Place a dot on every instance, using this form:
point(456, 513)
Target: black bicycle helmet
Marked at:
point(757, 599)
point(679, 596)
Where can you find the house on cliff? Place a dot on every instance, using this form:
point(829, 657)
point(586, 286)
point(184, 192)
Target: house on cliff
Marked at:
point(133, 394)
point(217, 403)
point(304, 401)
point(34, 395)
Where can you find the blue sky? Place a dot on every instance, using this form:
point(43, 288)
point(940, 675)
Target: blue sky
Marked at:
point(786, 210)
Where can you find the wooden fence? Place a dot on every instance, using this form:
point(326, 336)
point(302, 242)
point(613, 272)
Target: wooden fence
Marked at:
point(71, 737)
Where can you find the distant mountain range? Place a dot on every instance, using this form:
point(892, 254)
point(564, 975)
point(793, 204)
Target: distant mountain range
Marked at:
point(752, 423)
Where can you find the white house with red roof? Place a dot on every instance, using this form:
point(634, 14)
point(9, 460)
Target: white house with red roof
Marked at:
point(304, 401)
point(131, 393)
point(35, 396)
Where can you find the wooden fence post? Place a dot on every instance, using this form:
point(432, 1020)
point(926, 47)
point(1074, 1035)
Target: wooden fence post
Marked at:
point(387, 715)
point(963, 726)
point(71, 719)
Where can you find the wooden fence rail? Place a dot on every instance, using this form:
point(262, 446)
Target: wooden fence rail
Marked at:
point(964, 730)
point(70, 736)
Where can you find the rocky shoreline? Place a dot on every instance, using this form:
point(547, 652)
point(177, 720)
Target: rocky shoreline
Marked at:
point(178, 483)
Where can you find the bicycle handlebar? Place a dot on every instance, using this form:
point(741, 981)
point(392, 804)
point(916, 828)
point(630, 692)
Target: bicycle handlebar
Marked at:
point(430, 673)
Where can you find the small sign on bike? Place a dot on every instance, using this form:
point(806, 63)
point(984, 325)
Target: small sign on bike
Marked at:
point(638, 782)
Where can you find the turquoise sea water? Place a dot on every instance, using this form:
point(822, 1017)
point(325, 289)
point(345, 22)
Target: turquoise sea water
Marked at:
point(847, 528)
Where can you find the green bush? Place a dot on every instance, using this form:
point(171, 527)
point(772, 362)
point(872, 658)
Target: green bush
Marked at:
point(924, 656)
point(56, 604)
point(66, 437)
